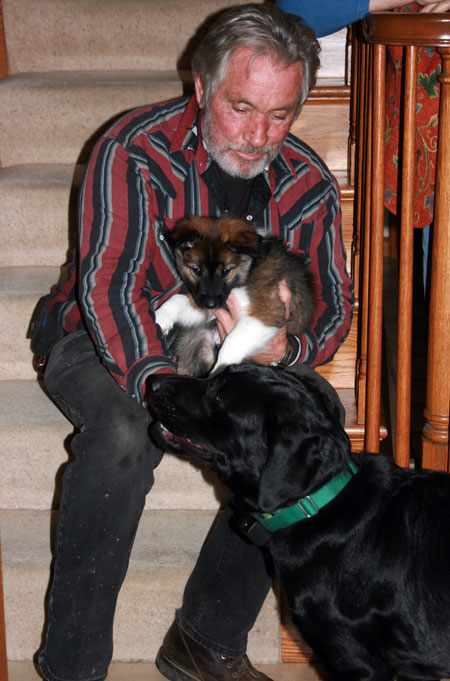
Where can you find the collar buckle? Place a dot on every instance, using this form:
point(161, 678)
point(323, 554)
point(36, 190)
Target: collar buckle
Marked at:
point(315, 509)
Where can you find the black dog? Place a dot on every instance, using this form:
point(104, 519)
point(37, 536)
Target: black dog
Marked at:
point(367, 576)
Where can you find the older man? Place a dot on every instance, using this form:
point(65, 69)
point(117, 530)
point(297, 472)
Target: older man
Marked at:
point(225, 150)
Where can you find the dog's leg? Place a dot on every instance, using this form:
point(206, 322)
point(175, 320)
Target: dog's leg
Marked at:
point(179, 310)
point(248, 336)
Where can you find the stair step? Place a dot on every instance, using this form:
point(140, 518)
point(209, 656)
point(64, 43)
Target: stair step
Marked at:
point(38, 220)
point(97, 44)
point(34, 453)
point(166, 546)
point(20, 289)
point(57, 117)
point(146, 671)
point(157, 33)
point(53, 116)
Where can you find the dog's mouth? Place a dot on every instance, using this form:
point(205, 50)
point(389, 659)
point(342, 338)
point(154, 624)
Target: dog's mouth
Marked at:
point(178, 443)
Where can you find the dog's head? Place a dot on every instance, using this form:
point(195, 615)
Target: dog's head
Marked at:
point(213, 256)
point(271, 436)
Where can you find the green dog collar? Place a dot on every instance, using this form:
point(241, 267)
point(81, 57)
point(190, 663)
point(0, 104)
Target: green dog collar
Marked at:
point(308, 506)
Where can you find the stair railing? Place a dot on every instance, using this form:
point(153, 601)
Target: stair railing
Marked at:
point(410, 31)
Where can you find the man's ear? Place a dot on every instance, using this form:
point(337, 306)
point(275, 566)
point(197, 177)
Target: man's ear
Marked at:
point(199, 91)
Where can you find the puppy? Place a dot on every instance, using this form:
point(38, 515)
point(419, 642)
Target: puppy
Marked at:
point(361, 546)
point(217, 256)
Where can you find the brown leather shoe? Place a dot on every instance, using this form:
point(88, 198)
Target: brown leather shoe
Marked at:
point(180, 658)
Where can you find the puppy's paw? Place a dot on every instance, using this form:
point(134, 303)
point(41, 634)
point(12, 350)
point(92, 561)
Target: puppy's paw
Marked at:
point(217, 369)
point(165, 319)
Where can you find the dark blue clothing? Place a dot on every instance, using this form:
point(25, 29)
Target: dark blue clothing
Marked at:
point(326, 16)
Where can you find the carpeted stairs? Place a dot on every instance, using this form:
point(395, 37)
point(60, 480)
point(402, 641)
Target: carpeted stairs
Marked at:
point(73, 66)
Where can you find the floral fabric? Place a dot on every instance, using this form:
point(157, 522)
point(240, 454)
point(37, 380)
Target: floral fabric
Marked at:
point(427, 117)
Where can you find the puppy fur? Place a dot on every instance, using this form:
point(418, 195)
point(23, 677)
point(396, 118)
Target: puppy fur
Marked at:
point(215, 256)
point(367, 578)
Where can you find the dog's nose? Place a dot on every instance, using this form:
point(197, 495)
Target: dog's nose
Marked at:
point(212, 303)
point(153, 384)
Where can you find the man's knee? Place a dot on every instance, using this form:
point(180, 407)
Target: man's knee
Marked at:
point(123, 437)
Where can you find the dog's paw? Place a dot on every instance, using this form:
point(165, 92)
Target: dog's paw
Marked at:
point(217, 369)
point(164, 319)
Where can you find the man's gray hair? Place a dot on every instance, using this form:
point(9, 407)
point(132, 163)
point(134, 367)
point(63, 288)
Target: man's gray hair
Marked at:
point(264, 29)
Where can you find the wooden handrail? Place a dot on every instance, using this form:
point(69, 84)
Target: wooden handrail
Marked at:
point(410, 31)
point(406, 28)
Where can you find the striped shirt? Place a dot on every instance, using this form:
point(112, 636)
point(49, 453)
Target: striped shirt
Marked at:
point(149, 170)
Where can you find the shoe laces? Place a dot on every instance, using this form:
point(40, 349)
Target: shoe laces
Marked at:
point(241, 667)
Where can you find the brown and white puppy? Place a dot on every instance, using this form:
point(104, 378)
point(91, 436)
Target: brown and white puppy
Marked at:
point(217, 256)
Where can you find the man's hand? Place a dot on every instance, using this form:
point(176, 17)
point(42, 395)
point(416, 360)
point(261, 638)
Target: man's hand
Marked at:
point(276, 348)
point(428, 5)
point(436, 7)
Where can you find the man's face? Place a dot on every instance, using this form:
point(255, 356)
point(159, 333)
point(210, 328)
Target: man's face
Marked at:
point(247, 119)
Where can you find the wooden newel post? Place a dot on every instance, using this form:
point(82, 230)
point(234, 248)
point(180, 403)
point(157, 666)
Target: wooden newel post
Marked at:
point(435, 431)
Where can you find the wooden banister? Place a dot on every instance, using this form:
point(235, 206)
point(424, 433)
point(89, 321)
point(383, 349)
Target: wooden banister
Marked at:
point(410, 31)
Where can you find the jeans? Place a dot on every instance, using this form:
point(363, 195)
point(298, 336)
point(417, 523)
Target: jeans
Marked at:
point(104, 490)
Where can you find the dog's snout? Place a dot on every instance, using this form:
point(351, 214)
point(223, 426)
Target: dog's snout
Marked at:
point(155, 384)
point(211, 302)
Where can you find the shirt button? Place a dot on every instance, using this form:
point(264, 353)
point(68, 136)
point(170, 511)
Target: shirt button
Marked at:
point(249, 218)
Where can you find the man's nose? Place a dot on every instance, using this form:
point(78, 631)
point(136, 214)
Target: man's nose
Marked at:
point(257, 132)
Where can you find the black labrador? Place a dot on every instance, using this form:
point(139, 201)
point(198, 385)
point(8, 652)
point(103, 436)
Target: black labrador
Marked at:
point(361, 546)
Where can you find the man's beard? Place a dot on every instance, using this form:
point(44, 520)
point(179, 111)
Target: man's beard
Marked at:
point(225, 160)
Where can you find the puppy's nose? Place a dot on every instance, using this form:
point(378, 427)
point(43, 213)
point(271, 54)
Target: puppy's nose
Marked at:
point(212, 303)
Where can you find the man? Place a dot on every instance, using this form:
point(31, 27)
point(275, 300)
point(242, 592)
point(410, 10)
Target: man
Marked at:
point(224, 150)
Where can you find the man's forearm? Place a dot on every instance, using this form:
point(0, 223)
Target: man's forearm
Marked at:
point(381, 5)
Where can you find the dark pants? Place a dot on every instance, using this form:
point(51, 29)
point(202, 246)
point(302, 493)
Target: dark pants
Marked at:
point(104, 492)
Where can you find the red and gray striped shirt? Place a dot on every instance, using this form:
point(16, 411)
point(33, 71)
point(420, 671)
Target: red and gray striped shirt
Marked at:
point(149, 170)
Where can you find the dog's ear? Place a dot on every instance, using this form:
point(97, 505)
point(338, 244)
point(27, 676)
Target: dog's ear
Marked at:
point(305, 452)
point(245, 243)
point(185, 234)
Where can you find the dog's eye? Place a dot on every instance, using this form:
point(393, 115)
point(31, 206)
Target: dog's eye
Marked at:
point(218, 398)
point(197, 271)
point(225, 272)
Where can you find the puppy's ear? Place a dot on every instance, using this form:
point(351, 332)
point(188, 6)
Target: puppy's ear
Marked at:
point(185, 234)
point(306, 452)
point(246, 243)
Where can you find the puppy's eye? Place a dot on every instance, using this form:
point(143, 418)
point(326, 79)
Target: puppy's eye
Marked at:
point(218, 398)
point(197, 271)
point(225, 272)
